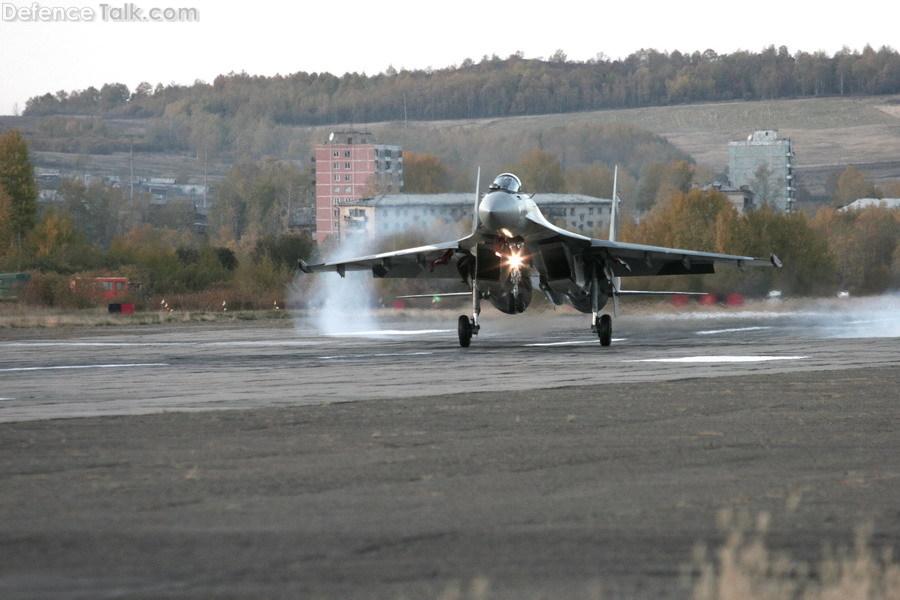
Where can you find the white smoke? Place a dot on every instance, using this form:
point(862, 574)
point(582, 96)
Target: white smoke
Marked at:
point(868, 317)
point(342, 305)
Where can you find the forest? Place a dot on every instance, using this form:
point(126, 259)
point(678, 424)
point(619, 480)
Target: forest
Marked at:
point(239, 113)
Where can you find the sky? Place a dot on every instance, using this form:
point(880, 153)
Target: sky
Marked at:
point(45, 47)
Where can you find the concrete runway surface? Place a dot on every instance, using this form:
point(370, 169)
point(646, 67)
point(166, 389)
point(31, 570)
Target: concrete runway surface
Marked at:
point(267, 460)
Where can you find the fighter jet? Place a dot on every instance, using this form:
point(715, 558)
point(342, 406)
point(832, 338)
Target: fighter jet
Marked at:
point(513, 250)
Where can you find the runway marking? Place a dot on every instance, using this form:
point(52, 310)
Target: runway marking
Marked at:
point(571, 342)
point(718, 359)
point(159, 344)
point(378, 332)
point(733, 330)
point(343, 356)
point(109, 366)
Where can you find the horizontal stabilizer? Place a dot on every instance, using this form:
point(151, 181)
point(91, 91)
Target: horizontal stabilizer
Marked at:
point(649, 293)
point(446, 295)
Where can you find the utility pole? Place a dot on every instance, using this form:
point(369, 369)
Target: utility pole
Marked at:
point(131, 176)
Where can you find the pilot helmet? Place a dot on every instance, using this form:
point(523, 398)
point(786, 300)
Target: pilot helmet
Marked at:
point(507, 182)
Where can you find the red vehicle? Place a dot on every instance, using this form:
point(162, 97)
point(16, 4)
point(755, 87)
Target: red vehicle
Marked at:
point(106, 289)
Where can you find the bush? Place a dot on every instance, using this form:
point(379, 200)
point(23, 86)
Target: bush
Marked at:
point(53, 290)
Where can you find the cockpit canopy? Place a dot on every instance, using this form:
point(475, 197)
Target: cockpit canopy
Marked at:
point(506, 182)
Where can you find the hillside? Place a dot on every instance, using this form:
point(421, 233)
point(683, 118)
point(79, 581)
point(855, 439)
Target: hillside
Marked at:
point(828, 134)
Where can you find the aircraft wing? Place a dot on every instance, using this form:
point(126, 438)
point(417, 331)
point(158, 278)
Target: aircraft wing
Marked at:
point(633, 260)
point(436, 261)
point(636, 260)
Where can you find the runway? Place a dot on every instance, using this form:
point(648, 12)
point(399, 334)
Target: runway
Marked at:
point(128, 371)
point(270, 460)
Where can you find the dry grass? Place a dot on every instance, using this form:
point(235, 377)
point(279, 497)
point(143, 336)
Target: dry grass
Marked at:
point(744, 569)
point(18, 317)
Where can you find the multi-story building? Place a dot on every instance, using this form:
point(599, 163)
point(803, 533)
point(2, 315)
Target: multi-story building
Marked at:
point(741, 198)
point(390, 214)
point(764, 163)
point(349, 167)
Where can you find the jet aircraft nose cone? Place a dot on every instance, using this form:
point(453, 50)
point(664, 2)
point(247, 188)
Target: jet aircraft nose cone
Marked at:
point(500, 210)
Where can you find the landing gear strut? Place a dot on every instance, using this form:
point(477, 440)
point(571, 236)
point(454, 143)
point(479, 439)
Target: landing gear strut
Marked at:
point(603, 328)
point(602, 324)
point(467, 327)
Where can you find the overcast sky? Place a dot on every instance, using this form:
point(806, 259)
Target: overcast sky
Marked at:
point(38, 55)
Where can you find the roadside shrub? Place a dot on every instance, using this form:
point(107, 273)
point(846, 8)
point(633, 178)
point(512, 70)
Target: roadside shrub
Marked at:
point(52, 290)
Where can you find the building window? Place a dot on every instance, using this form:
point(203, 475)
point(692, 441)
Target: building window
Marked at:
point(336, 165)
point(347, 165)
point(335, 154)
point(346, 154)
point(348, 177)
point(336, 177)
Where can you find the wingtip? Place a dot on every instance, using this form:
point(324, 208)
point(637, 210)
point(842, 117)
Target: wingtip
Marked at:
point(776, 262)
point(303, 266)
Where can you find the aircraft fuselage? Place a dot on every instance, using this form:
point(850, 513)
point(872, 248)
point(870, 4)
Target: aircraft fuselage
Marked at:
point(516, 253)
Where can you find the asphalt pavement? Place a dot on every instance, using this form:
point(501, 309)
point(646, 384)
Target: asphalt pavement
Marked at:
point(269, 460)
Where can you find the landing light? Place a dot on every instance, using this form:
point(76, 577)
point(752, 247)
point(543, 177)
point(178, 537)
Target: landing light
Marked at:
point(515, 261)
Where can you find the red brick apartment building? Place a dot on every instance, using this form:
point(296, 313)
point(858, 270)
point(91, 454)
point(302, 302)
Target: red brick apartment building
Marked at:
point(350, 167)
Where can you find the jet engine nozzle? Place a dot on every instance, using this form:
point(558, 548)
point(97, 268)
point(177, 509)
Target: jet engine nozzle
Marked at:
point(500, 210)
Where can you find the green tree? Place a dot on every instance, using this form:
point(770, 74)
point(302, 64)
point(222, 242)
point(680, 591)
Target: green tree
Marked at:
point(96, 209)
point(853, 185)
point(802, 248)
point(17, 180)
point(257, 198)
point(687, 220)
point(283, 250)
point(594, 180)
point(661, 181)
point(7, 236)
point(424, 174)
point(53, 245)
point(540, 172)
point(762, 185)
point(864, 247)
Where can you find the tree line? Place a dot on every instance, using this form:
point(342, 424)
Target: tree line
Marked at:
point(495, 87)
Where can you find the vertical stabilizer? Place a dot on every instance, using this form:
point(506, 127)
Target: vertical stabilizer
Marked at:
point(477, 191)
point(614, 209)
point(613, 234)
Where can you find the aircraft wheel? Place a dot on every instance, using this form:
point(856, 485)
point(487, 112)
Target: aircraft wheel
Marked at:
point(464, 329)
point(604, 330)
point(520, 306)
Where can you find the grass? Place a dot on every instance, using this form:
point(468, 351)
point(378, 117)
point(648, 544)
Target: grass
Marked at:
point(17, 317)
point(744, 569)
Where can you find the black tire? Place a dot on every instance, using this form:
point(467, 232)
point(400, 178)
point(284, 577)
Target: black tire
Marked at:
point(464, 329)
point(604, 330)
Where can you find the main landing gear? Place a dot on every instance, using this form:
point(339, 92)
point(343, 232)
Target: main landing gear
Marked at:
point(602, 326)
point(465, 329)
